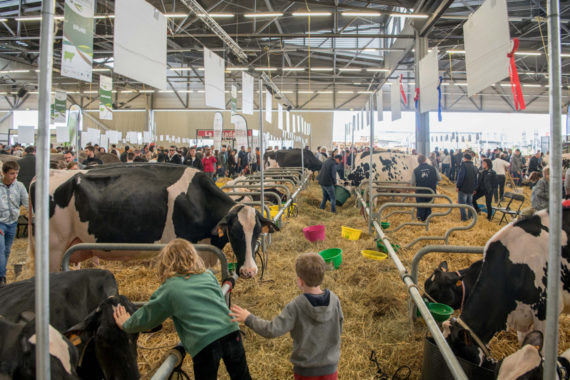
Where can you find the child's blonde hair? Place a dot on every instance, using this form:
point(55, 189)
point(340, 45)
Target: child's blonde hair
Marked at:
point(179, 257)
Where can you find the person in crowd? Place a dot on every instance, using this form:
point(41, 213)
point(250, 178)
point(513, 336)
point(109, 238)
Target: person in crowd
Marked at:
point(242, 158)
point(91, 159)
point(466, 185)
point(257, 158)
point(222, 161)
point(192, 160)
point(486, 185)
point(516, 166)
point(501, 167)
point(13, 194)
point(191, 296)
point(130, 157)
point(539, 196)
point(425, 175)
point(72, 166)
point(457, 162)
point(446, 163)
point(327, 180)
point(251, 160)
point(140, 157)
point(123, 156)
point(452, 175)
point(27, 164)
point(313, 318)
point(232, 163)
point(567, 183)
point(173, 156)
point(534, 163)
point(115, 151)
point(322, 156)
point(209, 163)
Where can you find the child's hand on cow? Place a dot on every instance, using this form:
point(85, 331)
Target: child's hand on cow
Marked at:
point(120, 314)
point(239, 314)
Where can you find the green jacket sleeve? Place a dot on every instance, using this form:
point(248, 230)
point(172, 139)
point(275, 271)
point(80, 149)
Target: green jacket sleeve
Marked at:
point(280, 325)
point(150, 315)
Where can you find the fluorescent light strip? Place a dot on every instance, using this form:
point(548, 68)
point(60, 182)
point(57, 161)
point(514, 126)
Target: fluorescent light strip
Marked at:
point(98, 17)
point(306, 92)
point(531, 85)
point(263, 14)
point(146, 91)
point(311, 14)
point(408, 15)
point(455, 51)
point(321, 68)
point(349, 69)
point(293, 69)
point(365, 92)
point(3, 19)
point(266, 69)
point(534, 53)
point(361, 14)
point(286, 92)
point(378, 70)
point(236, 68)
point(219, 15)
point(565, 55)
point(324, 92)
point(36, 18)
point(14, 71)
point(101, 69)
point(345, 92)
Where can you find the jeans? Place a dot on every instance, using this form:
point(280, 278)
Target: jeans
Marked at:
point(445, 169)
point(516, 178)
point(328, 194)
point(228, 348)
point(500, 189)
point(423, 213)
point(465, 199)
point(488, 199)
point(6, 241)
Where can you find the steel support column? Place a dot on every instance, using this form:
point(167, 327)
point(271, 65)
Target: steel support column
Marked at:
point(422, 119)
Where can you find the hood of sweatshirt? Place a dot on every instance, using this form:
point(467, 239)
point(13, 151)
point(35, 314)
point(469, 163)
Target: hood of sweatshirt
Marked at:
point(318, 313)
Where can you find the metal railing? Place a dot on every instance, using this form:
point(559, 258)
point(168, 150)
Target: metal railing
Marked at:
point(432, 205)
point(284, 187)
point(431, 324)
point(455, 249)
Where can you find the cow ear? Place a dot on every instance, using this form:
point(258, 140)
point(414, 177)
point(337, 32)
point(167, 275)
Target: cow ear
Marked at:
point(90, 323)
point(267, 225)
point(222, 226)
point(534, 338)
point(443, 266)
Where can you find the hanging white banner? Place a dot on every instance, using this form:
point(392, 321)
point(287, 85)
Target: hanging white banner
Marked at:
point(268, 106)
point(288, 121)
point(61, 134)
point(395, 100)
point(380, 105)
point(279, 116)
point(105, 98)
point(247, 93)
point(240, 127)
point(214, 80)
point(77, 44)
point(218, 126)
point(429, 80)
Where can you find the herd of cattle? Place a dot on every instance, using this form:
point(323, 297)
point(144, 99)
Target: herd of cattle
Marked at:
point(155, 203)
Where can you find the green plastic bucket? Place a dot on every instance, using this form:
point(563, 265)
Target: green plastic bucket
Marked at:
point(382, 247)
point(341, 195)
point(332, 257)
point(439, 311)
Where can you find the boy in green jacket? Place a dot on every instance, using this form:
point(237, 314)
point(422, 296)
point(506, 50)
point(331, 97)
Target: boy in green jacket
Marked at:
point(313, 318)
point(192, 297)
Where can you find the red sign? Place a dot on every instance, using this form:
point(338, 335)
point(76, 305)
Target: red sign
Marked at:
point(226, 134)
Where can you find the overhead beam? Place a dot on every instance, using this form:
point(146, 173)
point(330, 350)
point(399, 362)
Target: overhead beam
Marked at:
point(434, 17)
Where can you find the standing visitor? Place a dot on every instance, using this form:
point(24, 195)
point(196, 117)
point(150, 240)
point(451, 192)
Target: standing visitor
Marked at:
point(466, 185)
point(209, 163)
point(501, 167)
point(486, 185)
point(425, 175)
point(327, 180)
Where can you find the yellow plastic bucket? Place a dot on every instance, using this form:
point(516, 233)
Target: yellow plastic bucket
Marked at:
point(373, 255)
point(350, 233)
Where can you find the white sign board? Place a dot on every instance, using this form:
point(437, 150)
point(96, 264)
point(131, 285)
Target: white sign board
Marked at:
point(429, 80)
point(139, 44)
point(247, 93)
point(487, 43)
point(268, 106)
point(214, 80)
point(279, 116)
point(218, 126)
point(288, 121)
point(61, 134)
point(395, 100)
point(380, 105)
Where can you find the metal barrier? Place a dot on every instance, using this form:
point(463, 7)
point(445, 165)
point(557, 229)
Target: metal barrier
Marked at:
point(284, 187)
point(256, 204)
point(294, 176)
point(431, 324)
point(267, 181)
point(291, 200)
point(432, 205)
point(364, 191)
point(458, 249)
point(414, 195)
point(271, 194)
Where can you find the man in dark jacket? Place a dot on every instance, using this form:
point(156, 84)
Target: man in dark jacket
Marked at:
point(425, 175)
point(466, 185)
point(27, 166)
point(486, 183)
point(91, 159)
point(327, 180)
point(173, 156)
point(192, 160)
point(123, 157)
point(534, 164)
point(457, 162)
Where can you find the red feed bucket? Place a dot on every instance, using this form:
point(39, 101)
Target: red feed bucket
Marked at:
point(314, 233)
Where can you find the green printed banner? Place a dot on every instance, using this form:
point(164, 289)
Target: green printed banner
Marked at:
point(77, 47)
point(58, 107)
point(105, 98)
point(74, 123)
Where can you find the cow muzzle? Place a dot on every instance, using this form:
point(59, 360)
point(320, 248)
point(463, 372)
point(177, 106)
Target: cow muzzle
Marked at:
point(248, 272)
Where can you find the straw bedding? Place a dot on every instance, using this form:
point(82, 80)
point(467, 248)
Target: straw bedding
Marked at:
point(372, 295)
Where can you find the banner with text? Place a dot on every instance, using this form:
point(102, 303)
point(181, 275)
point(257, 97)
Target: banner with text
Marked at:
point(77, 46)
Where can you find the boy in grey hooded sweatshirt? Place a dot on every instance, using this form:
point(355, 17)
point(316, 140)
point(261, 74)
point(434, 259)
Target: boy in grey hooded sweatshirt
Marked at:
point(313, 318)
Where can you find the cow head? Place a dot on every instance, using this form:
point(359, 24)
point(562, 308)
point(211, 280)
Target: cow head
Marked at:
point(107, 351)
point(463, 344)
point(526, 363)
point(444, 286)
point(242, 226)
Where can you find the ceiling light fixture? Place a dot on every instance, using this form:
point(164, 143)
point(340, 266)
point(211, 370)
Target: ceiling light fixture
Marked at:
point(293, 69)
point(321, 68)
point(361, 14)
point(219, 15)
point(237, 68)
point(375, 70)
point(265, 69)
point(263, 14)
point(311, 14)
point(349, 69)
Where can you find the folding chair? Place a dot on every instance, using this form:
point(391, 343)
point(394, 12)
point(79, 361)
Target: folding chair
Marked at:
point(504, 206)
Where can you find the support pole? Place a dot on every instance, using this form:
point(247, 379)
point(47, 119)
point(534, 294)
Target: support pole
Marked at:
point(422, 119)
point(555, 208)
point(352, 147)
point(42, 194)
point(302, 153)
point(371, 177)
point(261, 168)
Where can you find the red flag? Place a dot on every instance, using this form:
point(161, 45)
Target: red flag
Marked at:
point(402, 89)
point(515, 83)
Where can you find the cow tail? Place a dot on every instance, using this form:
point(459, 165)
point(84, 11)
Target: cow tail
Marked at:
point(31, 241)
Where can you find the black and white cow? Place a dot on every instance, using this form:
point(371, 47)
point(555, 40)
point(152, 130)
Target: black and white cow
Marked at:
point(510, 292)
point(18, 351)
point(526, 363)
point(147, 203)
point(291, 158)
point(452, 288)
point(386, 166)
point(81, 306)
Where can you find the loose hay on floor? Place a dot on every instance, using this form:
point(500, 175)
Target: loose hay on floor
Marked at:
point(373, 298)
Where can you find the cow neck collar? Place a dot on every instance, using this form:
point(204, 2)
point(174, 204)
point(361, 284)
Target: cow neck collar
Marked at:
point(462, 293)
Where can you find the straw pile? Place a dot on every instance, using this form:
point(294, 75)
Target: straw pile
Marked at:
point(372, 295)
